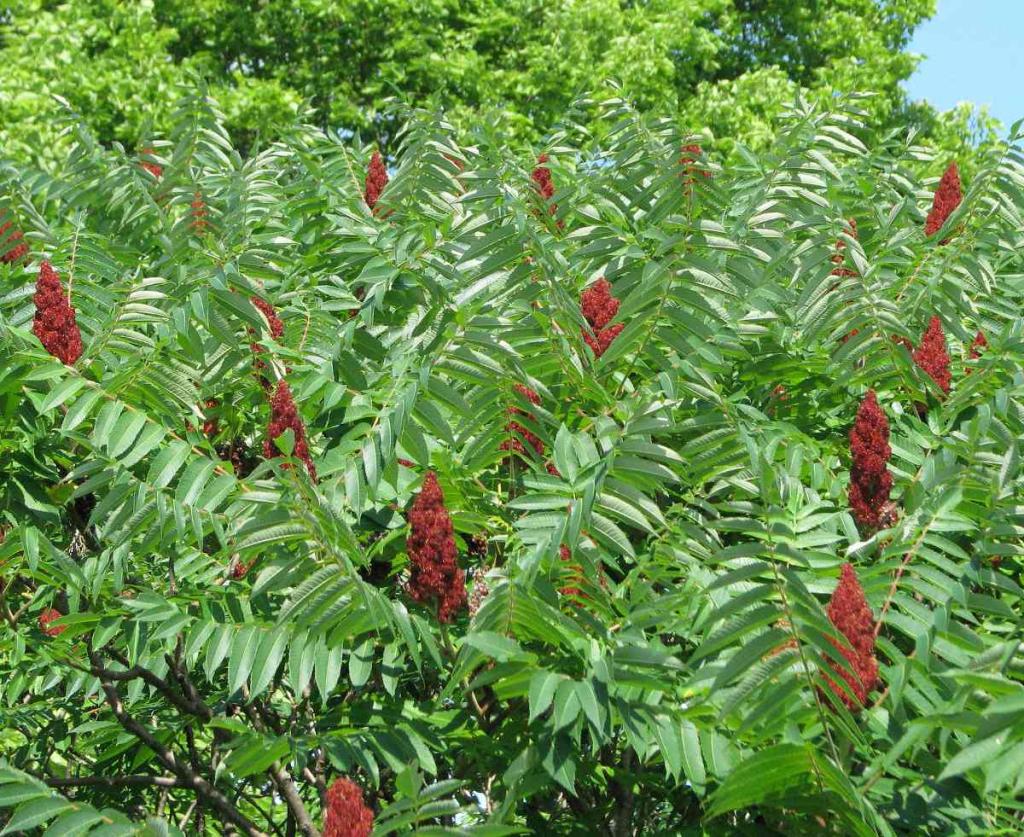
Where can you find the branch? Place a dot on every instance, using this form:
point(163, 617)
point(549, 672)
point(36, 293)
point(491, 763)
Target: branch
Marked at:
point(113, 781)
point(213, 797)
point(285, 784)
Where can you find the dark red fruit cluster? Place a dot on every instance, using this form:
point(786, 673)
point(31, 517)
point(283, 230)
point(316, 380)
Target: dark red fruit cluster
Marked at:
point(978, 345)
point(199, 222)
point(541, 177)
point(12, 248)
point(838, 258)
point(932, 356)
point(46, 617)
point(153, 168)
point(870, 480)
point(276, 330)
point(849, 612)
point(347, 813)
point(435, 575)
point(947, 198)
point(599, 308)
point(376, 180)
point(284, 415)
point(515, 429)
point(55, 323)
point(406, 463)
point(239, 570)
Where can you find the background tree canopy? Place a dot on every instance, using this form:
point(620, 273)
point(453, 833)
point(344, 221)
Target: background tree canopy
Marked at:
point(727, 67)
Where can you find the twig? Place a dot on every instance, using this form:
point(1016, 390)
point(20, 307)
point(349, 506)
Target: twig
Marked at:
point(188, 778)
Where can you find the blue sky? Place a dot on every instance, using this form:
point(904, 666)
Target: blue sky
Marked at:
point(974, 52)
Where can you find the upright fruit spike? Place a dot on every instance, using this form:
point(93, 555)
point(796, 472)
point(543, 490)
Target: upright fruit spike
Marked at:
point(849, 612)
point(376, 180)
point(689, 155)
point(12, 246)
point(870, 480)
point(978, 345)
point(541, 176)
point(947, 198)
point(515, 429)
point(599, 308)
point(276, 330)
point(55, 324)
point(932, 356)
point(347, 814)
point(285, 416)
point(838, 258)
point(435, 575)
point(154, 169)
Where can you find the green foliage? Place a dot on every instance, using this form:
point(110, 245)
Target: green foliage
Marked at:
point(726, 67)
point(672, 675)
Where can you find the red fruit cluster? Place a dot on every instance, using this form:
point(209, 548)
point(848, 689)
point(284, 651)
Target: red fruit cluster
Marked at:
point(347, 813)
point(837, 257)
point(276, 330)
point(284, 415)
point(46, 617)
point(689, 155)
point(947, 198)
point(599, 308)
point(406, 463)
point(541, 177)
point(513, 427)
point(849, 612)
point(241, 568)
point(210, 425)
point(199, 223)
point(932, 356)
point(575, 570)
point(376, 180)
point(435, 575)
point(153, 168)
point(978, 345)
point(55, 323)
point(12, 248)
point(870, 480)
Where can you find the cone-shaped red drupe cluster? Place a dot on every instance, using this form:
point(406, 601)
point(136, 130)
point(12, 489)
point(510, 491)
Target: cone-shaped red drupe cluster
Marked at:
point(276, 326)
point(376, 180)
point(515, 429)
point(978, 345)
point(947, 198)
point(199, 222)
point(347, 814)
point(599, 308)
point(870, 480)
point(284, 415)
point(12, 248)
point(689, 155)
point(849, 612)
point(541, 177)
point(55, 323)
point(932, 356)
point(837, 257)
point(276, 330)
point(575, 570)
point(153, 168)
point(46, 617)
point(435, 574)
